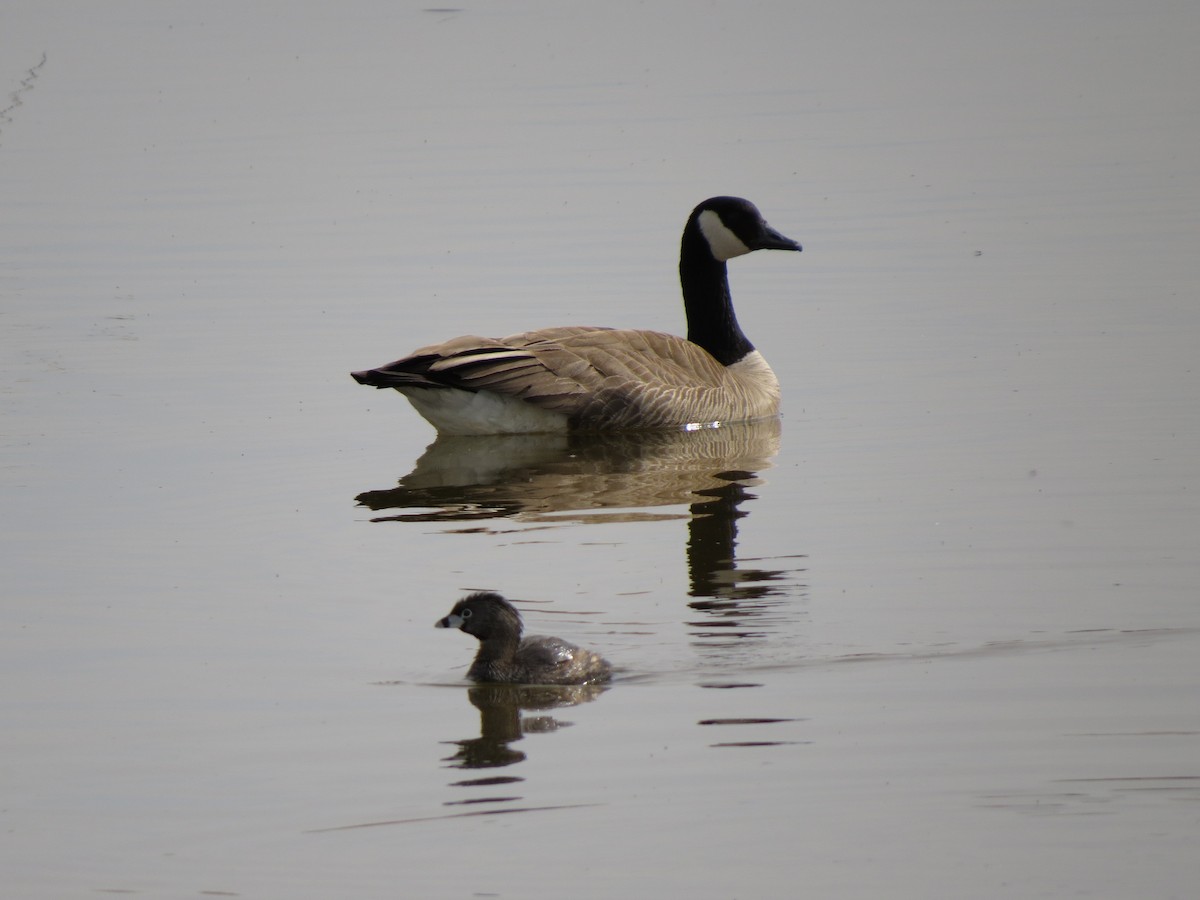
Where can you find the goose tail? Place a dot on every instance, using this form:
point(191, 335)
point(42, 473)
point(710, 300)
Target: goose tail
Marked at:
point(389, 378)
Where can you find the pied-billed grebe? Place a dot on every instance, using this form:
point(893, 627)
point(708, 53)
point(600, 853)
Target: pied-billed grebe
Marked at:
point(504, 656)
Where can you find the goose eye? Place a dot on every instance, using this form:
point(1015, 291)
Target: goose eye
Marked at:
point(466, 613)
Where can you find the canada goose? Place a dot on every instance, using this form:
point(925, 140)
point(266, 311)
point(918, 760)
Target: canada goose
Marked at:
point(590, 378)
point(505, 656)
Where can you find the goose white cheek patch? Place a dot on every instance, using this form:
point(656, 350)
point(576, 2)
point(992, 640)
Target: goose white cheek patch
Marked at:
point(723, 242)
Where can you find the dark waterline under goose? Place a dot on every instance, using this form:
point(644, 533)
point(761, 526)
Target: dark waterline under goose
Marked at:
point(506, 657)
point(592, 378)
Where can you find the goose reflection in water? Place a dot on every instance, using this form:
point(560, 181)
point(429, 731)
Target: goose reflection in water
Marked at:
point(581, 478)
point(501, 723)
point(538, 477)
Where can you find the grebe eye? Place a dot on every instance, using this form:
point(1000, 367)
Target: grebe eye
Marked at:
point(466, 613)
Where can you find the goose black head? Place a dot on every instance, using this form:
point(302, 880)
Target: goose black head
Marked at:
point(732, 227)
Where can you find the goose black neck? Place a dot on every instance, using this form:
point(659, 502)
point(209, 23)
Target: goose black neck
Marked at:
point(712, 323)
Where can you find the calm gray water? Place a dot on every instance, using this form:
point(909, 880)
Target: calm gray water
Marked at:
point(937, 635)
